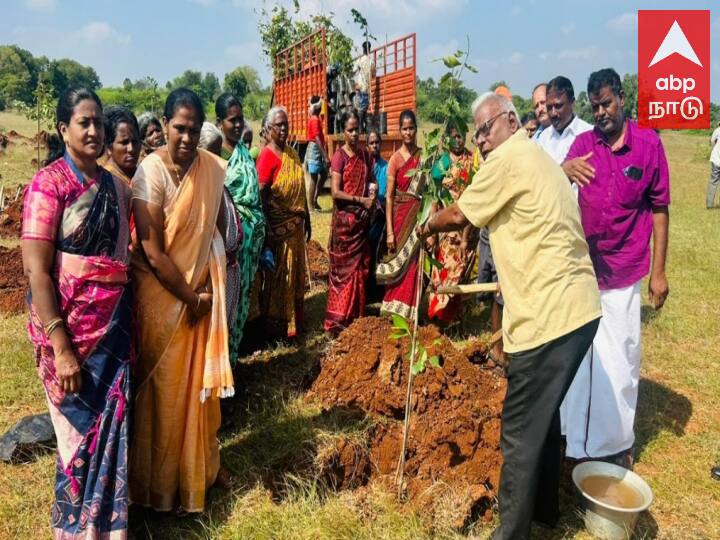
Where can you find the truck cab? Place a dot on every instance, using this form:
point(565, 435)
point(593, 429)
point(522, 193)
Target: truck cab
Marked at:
point(302, 71)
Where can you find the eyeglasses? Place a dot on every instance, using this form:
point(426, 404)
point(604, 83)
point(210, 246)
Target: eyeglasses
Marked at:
point(485, 128)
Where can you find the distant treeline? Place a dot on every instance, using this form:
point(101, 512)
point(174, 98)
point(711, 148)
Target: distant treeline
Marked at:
point(23, 77)
point(21, 73)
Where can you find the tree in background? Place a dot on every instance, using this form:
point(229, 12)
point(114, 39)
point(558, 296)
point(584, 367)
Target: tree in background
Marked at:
point(14, 76)
point(431, 97)
point(236, 83)
point(278, 31)
point(64, 73)
point(630, 87)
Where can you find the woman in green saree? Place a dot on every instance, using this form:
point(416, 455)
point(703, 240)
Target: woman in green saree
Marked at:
point(241, 181)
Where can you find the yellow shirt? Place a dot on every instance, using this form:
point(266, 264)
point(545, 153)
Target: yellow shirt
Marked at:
point(544, 269)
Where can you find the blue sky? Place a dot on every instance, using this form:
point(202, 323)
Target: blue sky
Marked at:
point(520, 41)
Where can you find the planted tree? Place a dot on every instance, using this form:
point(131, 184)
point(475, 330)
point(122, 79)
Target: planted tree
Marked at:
point(435, 194)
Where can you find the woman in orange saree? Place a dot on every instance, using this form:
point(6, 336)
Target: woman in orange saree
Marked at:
point(179, 275)
point(282, 189)
point(404, 191)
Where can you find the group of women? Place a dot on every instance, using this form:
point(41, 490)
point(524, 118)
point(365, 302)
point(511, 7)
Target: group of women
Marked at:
point(375, 199)
point(149, 256)
point(143, 254)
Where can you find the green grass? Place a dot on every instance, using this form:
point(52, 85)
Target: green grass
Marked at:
point(16, 166)
point(274, 434)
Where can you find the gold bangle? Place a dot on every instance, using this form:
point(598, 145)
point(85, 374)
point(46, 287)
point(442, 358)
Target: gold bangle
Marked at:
point(52, 326)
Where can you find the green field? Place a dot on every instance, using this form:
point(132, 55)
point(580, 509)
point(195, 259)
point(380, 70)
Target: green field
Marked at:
point(276, 434)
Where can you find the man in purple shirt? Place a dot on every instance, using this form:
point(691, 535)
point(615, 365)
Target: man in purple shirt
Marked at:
point(622, 173)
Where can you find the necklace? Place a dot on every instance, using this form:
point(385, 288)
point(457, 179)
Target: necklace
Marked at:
point(175, 168)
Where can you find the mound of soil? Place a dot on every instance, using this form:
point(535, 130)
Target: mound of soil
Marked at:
point(13, 283)
point(318, 261)
point(11, 218)
point(14, 136)
point(453, 455)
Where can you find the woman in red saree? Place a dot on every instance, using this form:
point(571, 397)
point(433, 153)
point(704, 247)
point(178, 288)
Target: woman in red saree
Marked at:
point(404, 191)
point(349, 248)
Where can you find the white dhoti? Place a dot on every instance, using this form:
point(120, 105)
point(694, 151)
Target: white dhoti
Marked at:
point(598, 412)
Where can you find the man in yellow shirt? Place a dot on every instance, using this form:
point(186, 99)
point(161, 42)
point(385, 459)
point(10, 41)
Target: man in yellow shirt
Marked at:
point(552, 302)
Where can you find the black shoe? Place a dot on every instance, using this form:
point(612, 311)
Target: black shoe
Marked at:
point(715, 472)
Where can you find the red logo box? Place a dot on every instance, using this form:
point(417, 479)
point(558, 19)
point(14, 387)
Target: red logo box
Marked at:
point(674, 69)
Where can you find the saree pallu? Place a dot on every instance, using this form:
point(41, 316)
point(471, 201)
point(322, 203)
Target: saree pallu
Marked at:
point(284, 289)
point(349, 247)
point(90, 231)
point(399, 272)
point(182, 367)
point(241, 180)
point(455, 177)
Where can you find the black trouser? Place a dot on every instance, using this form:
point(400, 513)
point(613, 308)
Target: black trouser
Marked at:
point(538, 380)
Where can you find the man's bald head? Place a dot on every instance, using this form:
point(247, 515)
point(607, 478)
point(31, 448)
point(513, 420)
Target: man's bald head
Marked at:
point(496, 119)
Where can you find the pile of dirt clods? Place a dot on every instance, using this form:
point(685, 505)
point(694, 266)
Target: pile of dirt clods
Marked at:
point(13, 283)
point(318, 261)
point(453, 455)
point(11, 219)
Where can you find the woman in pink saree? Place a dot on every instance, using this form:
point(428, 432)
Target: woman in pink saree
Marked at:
point(75, 252)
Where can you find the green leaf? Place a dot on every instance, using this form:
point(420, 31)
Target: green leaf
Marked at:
point(417, 369)
point(470, 68)
point(434, 361)
point(451, 62)
point(459, 53)
point(423, 355)
point(397, 334)
point(433, 261)
point(400, 323)
point(427, 267)
point(411, 172)
point(425, 209)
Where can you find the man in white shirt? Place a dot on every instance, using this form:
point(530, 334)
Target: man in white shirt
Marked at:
point(557, 139)
point(364, 71)
point(714, 167)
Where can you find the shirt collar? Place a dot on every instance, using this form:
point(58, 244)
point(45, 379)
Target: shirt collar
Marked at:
point(629, 130)
point(570, 128)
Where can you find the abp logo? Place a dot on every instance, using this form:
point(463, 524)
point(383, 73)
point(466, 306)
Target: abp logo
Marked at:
point(674, 69)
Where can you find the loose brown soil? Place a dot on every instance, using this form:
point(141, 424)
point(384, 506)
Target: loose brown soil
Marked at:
point(318, 261)
point(11, 218)
point(453, 454)
point(13, 284)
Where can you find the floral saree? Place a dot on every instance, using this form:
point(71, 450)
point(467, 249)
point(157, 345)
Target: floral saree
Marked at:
point(349, 248)
point(87, 221)
point(241, 181)
point(455, 176)
point(182, 368)
point(399, 271)
point(284, 288)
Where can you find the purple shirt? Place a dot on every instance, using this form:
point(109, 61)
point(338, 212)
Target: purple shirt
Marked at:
point(616, 208)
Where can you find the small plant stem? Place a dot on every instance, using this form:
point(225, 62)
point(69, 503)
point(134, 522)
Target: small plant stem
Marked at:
point(400, 473)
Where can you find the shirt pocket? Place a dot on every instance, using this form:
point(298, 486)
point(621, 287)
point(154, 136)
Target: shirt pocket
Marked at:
point(631, 191)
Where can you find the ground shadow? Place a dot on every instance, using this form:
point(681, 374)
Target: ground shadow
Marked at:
point(659, 409)
point(648, 313)
point(279, 452)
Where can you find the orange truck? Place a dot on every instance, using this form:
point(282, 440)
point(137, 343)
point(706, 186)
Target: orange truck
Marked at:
point(301, 71)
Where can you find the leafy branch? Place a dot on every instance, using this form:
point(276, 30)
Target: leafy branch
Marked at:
point(436, 141)
point(401, 329)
